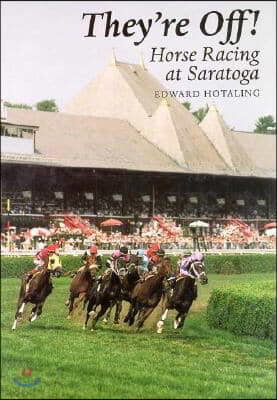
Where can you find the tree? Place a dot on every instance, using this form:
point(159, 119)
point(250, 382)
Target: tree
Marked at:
point(201, 113)
point(47, 105)
point(187, 105)
point(263, 123)
point(19, 105)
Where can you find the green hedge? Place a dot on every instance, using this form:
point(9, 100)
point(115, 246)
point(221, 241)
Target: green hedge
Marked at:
point(246, 309)
point(219, 264)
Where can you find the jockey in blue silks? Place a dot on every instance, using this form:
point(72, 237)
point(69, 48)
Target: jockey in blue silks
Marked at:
point(143, 261)
point(187, 261)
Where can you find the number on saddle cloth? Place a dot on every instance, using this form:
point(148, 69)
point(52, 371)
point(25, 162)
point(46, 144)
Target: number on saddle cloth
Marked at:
point(54, 262)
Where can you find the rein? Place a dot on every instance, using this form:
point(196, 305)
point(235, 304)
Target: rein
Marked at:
point(196, 274)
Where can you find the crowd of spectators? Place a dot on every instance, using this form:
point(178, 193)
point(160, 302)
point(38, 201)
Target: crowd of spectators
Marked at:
point(192, 205)
point(166, 232)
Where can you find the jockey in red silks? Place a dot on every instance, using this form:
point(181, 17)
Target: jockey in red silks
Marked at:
point(42, 256)
point(152, 250)
point(187, 261)
point(156, 255)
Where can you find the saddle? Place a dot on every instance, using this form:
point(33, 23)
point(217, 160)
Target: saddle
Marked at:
point(145, 277)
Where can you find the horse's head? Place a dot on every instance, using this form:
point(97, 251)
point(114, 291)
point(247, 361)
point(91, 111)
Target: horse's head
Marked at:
point(90, 260)
point(197, 269)
point(164, 268)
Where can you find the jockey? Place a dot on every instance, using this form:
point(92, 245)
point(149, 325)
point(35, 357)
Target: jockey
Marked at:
point(143, 261)
point(122, 254)
point(92, 252)
point(41, 259)
point(152, 250)
point(187, 261)
point(155, 259)
point(43, 255)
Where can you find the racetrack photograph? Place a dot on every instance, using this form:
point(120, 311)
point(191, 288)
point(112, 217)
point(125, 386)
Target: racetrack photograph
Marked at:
point(200, 360)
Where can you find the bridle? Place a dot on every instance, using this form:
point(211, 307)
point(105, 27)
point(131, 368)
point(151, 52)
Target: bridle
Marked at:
point(193, 273)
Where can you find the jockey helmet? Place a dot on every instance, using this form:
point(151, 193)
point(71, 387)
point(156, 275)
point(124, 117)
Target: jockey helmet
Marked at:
point(93, 250)
point(124, 250)
point(197, 256)
point(52, 248)
point(160, 253)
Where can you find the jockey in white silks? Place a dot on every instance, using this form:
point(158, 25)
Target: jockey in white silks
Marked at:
point(187, 261)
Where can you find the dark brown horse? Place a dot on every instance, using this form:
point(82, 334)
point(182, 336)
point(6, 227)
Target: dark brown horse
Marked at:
point(182, 295)
point(129, 276)
point(103, 293)
point(34, 291)
point(147, 294)
point(82, 283)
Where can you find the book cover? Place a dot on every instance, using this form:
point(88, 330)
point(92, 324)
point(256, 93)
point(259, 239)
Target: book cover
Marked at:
point(140, 124)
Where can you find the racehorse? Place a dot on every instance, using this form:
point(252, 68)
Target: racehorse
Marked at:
point(35, 291)
point(81, 284)
point(103, 293)
point(129, 276)
point(182, 295)
point(147, 294)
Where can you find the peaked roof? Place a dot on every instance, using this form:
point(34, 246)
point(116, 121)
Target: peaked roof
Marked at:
point(119, 112)
point(261, 148)
point(92, 142)
point(122, 90)
point(173, 129)
point(224, 140)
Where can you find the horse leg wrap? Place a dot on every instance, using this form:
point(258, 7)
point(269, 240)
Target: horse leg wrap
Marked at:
point(14, 325)
point(33, 317)
point(92, 313)
point(20, 311)
point(160, 326)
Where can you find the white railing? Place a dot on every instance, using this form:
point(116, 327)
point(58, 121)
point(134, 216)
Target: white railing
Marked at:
point(77, 253)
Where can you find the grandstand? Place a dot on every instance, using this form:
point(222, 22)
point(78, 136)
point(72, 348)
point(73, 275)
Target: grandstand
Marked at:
point(118, 151)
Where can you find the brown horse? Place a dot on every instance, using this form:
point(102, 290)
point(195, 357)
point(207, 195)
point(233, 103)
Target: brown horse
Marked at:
point(147, 294)
point(81, 283)
point(103, 293)
point(182, 295)
point(34, 291)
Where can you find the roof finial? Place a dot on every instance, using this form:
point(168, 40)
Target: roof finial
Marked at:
point(113, 58)
point(142, 61)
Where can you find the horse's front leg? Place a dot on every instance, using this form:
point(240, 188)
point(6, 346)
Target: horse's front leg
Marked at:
point(117, 311)
point(127, 316)
point(133, 312)
point(144, 315)
point(18, 313)
point(108, 315)
point(102, 311)
point(91, 310)
point(71, 304)
point(81, 298)
point(160, 323)
point(181, 316)
point(34, 313)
